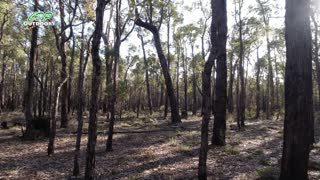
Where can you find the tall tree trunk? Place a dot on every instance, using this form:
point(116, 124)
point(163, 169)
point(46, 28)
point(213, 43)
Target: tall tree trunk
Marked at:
point(316, 55)
point(220, 104)
point(185, 80)
point(115, 76)
point(70, 100)
point(177, 80)
point(146, 74)
point(175, 117)
point(258, 66)
point(30, 79)
point(76, 169)
point(298, 122)
point(63, 72)
point(96, 81)
point(241, 106)
point(169, 62)
point(3, 73)
point(230, 87)
point(218, 39)
point(194, 83)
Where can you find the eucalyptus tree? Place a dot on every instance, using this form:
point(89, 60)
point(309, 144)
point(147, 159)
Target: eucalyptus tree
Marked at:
point(120, 36)
point(298, 91)
point(218, 50)
point(83, 60)
point(151, 26)
point(30, 78)
point(241, 106)
point(96, 82)
point(61, 40)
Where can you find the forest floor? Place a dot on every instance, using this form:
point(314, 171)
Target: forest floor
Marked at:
point(159, 151)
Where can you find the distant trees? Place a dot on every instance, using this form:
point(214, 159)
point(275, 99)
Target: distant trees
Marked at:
point(298, 122)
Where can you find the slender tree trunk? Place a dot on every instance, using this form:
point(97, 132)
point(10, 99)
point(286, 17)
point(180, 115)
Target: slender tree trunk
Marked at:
point(169, 62)
point(194, 89)
point(230, 87)
point(177, 80)
point(3, 72)
point(298, 121)
point(258, 66)
point(63, 72)
point(53, 127)
point(96, 81)
point(241, 106)
point(185, 80)
point(146, 75)
point(218, 39)
point(30, 79)
point(76, 169)
point(71, 64)
point(115, 77)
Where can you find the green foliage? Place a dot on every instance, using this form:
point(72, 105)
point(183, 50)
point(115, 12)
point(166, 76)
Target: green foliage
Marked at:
point(228, 149)
point(268, 173)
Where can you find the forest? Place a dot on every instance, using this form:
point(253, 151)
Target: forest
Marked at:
point(160, 89)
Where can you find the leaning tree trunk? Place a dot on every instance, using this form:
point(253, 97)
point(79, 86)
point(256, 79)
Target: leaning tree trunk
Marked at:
point(298, 91)
point(96, 81)
point(175, 117)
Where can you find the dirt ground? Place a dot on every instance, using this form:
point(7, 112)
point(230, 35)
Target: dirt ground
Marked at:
point(160, 151)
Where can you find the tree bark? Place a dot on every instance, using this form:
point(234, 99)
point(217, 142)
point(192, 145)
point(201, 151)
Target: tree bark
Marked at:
point(298, 91)
point(80, 106)
point(30, 79)
point(230, 87)
point(241, 105)
point(54, 111)
point(146, 74)
point(96, 81)
point(220, 104)
point(194, 83)
point(258, 66)
point(218, 38)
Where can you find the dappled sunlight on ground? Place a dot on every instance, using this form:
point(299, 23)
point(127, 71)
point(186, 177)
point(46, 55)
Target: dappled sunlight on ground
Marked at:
point(153, 150)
